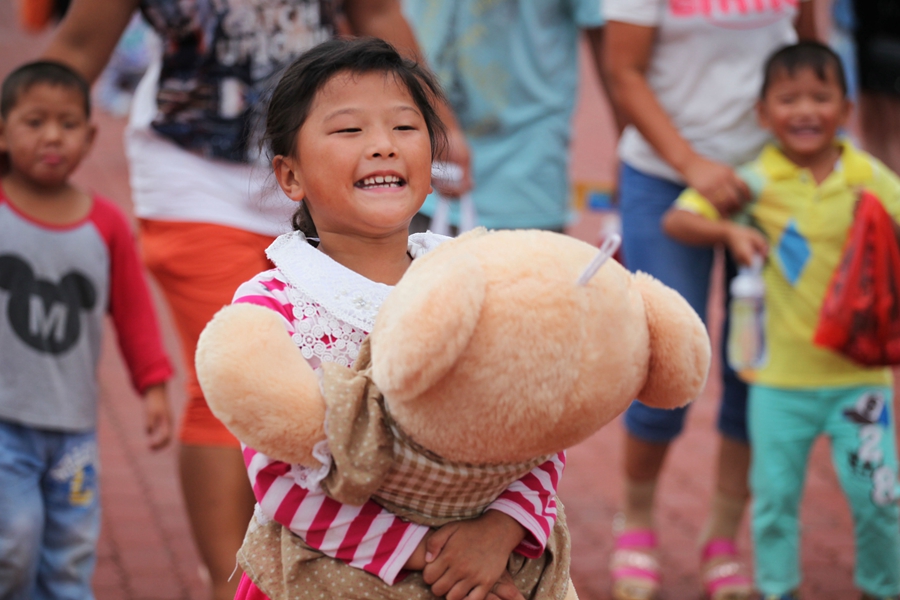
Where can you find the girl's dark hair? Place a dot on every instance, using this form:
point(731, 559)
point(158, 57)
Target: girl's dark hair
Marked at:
point(294, 95)
point(804, 55)
point(42, 71)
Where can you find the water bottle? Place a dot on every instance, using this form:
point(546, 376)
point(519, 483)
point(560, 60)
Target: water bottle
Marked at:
point(746, 339)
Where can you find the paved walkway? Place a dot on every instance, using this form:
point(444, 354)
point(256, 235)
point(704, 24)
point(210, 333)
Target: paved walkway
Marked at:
point(146, 552)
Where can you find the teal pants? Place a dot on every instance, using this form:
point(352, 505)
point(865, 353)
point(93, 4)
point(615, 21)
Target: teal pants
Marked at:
point(783, 425)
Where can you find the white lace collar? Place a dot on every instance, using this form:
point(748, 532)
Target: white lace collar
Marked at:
point(344, 293)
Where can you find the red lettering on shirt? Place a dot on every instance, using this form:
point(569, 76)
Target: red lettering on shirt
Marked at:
point(724, 8)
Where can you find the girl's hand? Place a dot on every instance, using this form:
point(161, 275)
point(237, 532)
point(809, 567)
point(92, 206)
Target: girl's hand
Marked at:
point(157, 416)
point(505, 589)
point(717, 183)
point(745, 243)
point(467, 558)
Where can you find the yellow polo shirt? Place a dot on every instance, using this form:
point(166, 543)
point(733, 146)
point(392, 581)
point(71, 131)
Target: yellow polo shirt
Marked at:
point(806, 225)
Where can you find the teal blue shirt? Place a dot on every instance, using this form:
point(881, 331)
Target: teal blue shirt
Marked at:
point(510, 69)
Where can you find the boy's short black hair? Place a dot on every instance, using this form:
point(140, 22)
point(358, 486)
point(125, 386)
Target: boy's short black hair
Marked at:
point(804, 55)
point(41, 71)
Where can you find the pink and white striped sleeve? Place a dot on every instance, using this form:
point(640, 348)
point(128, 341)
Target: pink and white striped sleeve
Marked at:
point(267, 290)
point(531, 501)
point(366, 537)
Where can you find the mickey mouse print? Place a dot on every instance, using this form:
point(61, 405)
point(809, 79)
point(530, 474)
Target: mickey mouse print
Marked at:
point(57, 284)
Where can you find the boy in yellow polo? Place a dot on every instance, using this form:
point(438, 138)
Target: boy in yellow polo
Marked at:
point(805, 187)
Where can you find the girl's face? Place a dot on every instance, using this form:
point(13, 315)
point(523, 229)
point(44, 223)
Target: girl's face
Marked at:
point(362, 161)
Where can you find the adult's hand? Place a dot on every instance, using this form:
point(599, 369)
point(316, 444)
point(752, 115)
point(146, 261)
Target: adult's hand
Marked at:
point(718, 183)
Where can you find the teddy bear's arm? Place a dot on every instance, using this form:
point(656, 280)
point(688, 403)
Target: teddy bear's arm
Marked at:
point(259, 385)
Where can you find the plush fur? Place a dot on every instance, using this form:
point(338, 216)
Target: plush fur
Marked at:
point(486, 352)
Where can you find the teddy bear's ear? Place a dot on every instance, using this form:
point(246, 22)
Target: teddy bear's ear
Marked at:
point(426, 323)
point(259, 385)
point(679, 346)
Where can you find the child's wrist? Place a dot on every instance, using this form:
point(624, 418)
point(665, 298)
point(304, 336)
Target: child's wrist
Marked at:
point(512, 532)
point(416, 561)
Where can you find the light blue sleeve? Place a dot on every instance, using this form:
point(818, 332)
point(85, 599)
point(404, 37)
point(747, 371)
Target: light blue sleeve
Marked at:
point(756, 181)
point(588, 13)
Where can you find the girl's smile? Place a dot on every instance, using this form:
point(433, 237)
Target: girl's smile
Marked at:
point(362, 161)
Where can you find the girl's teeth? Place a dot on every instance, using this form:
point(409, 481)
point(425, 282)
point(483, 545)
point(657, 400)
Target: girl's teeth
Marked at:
point(381, 180)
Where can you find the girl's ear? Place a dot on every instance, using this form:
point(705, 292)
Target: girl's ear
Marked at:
point(288, 176)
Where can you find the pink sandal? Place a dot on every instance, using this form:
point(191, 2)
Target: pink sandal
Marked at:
point(724, 576)
point(634, 566)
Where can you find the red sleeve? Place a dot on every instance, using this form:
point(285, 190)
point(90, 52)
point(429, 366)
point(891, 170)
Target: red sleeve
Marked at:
point(130, 303)
point(531, 501)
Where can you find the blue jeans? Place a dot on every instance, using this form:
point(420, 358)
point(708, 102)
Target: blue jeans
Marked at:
point(49, 513)
point(686, 269)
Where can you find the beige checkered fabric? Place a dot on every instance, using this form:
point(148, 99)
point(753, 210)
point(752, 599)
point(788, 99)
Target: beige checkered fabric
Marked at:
point(420, 483)
point(374, 458)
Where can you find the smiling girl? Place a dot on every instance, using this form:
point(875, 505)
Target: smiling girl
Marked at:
point(352, 132)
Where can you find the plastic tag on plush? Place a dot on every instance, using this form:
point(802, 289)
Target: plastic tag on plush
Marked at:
point(860, 316)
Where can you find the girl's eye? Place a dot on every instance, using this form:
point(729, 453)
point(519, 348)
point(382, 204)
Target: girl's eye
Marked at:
point(349, 130)
point(405, 128)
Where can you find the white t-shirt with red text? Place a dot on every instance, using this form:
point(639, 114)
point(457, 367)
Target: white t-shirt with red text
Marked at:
point(706, 70)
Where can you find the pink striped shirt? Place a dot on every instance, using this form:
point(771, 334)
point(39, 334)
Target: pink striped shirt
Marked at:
point(368, 536)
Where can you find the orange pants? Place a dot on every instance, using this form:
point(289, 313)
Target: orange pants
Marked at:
point(198, 267)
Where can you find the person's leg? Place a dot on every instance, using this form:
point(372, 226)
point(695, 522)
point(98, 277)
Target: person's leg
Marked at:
point(783, 426)
point(645, 247)
point(72, 526)
point(734, 449)
point(216, 493)
point(722, 570)
point(199, 267)
point(861, 426)
point(21, 511)
point(643, 201)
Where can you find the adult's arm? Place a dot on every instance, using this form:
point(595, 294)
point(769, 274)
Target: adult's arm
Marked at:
point(87, 36)
point(384, 19)
point(596, 45)
point(806, 21)
point(626, 55)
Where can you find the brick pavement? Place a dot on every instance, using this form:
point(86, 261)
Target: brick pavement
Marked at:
point(146, 552)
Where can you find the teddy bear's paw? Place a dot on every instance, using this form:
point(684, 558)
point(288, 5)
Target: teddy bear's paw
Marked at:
point(259, 385)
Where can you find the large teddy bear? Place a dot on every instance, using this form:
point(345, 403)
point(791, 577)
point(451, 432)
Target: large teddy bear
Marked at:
point(495, 351)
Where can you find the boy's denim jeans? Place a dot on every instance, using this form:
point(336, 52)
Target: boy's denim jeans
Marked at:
point(49, 513)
